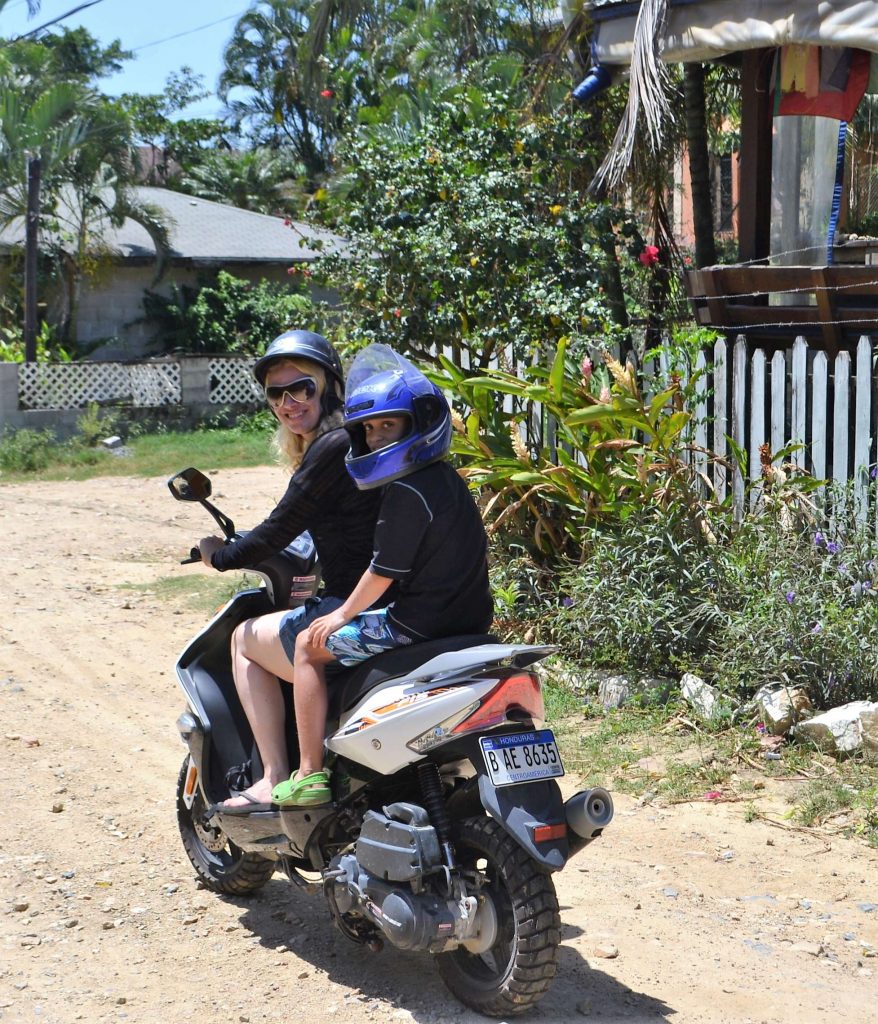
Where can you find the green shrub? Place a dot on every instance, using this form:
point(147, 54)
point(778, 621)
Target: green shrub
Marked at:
point(231, 314)
point(645, 597)
point(472, 232)
point(27, 451)
point(802, 606)
point(96, 423)
point(768, 601)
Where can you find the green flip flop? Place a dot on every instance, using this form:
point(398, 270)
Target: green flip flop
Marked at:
point(313, 789)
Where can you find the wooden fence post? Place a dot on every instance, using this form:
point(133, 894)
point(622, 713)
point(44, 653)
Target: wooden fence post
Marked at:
point(720, 415)
point(739, 427)
point(862, 427)
point(798, 407)
point(757, 423)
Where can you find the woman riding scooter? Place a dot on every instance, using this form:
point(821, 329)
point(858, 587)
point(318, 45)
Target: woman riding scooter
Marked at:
point(302, 379)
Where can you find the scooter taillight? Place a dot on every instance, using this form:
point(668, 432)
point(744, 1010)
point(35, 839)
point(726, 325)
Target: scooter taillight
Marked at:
point(519, 693)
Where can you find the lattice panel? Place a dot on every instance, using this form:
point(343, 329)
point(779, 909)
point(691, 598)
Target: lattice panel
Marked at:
point(155, 384)
point(74, 385)
point(232, 382)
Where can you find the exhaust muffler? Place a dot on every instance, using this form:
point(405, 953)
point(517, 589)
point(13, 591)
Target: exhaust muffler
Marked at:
point(588, 813)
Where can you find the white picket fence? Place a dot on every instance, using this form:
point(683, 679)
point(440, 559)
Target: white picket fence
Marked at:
point(795, 397)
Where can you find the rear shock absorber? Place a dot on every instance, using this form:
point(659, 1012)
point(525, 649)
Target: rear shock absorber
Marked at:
point(434, 803)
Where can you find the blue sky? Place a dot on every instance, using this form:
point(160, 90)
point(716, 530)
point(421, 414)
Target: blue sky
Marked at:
point(144, 26)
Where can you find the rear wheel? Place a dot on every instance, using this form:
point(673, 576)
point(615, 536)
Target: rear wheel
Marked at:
point(518, 968)
point(221, 866)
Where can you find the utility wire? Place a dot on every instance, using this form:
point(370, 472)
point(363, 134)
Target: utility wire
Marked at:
point(188, 32)
point(54, 21)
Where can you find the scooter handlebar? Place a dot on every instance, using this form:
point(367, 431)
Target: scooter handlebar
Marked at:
point(194, 556)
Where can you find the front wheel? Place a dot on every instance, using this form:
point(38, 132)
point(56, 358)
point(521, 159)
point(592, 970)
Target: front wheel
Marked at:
point(517, 970)
point(219, 864)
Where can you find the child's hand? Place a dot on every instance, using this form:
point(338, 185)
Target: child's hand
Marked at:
point(321, 628)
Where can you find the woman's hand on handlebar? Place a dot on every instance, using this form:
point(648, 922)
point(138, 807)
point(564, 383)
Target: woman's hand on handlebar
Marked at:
point(207, 546)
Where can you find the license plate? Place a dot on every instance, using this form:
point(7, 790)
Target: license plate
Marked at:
point(522, 757)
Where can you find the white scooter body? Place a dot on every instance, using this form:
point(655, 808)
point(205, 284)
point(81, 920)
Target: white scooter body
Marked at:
point(381, 729)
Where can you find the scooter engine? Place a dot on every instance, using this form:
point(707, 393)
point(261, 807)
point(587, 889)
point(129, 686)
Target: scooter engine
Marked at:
point(395, 879)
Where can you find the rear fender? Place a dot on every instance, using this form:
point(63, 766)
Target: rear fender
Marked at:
point(522, 808)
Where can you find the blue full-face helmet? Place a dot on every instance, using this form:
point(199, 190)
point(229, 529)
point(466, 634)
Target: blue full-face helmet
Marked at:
point(383, 383)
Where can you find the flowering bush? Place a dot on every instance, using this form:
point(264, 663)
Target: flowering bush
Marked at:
point(473, 234)
point(607, 450)
point(765, 603)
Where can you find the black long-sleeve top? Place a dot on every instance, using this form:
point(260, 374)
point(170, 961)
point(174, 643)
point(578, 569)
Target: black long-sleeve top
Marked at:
point(321, 498)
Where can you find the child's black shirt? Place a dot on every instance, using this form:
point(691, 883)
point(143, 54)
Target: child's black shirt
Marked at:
point(430, 538)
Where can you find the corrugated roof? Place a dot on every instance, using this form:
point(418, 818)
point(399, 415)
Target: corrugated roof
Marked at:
point(204, 231)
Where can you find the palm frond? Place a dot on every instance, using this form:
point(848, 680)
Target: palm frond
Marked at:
point(647, 96)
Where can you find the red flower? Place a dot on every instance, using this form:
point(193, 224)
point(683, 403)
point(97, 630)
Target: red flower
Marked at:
point(292, 270)
point(650, 255)
point(327, 94)
point(287, 222)
point(397, 313)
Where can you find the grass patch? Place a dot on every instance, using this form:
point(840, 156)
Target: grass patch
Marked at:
point(152, 455)
point(845, 798)
point(561, 702)
point(657, 754)
point(196, 592)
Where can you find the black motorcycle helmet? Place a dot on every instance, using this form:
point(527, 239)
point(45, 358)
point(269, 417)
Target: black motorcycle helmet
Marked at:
point(305, 345)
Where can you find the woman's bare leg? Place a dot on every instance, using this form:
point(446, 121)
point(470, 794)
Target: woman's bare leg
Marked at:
point(258, 661)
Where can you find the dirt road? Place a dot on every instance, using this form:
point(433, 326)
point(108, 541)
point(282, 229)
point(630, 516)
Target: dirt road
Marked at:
point(706, 918)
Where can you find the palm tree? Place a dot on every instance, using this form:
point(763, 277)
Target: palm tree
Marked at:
point(265, 89)
point(47, 128)
point(33, 6)
point(94, 200)
point(257, 179)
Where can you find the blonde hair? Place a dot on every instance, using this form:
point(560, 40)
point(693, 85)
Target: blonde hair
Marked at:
point(289, 448)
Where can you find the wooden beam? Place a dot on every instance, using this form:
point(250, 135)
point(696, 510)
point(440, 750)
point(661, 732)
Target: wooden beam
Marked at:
point(754, 212)
point(826, 309)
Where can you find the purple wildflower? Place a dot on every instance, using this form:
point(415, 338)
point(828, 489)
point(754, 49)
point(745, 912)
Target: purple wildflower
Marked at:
point(832, 547)
point(816, 628)
point(819, 539)
point(567, 602)
point(790, 596)
point(873, 472)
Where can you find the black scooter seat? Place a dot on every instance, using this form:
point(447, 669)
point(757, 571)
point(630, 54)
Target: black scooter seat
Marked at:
point(347, 686)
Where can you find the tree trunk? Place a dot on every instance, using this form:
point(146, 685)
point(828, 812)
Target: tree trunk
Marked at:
point(32, 222)
point(699, 164)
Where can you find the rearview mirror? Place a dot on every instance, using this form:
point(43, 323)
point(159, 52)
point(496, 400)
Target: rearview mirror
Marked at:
point(190, 485)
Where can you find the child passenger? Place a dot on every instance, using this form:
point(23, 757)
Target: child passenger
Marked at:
point(429, 541)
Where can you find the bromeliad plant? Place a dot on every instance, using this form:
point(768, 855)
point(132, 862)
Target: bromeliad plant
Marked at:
point(608, 449)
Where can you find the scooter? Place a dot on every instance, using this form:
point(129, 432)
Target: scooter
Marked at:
point(446, 821)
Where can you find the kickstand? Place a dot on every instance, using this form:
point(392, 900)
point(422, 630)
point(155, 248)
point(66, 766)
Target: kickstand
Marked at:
point(307, 885)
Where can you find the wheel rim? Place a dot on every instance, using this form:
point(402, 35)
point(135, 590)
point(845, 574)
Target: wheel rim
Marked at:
point(491, 967)
point(215, 848)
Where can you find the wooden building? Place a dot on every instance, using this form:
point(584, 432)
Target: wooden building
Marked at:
point(808, 259)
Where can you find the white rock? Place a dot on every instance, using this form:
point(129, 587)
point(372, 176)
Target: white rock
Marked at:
point(616, 690)
point(782, 707)
point(869, 723)
point(112, 442)
point(841, 730)
point(704, 698)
